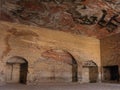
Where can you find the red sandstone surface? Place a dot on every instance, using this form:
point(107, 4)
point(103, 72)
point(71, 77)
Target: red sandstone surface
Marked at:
point(82, 17)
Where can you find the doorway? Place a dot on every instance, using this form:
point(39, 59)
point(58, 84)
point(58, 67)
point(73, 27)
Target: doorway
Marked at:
point(93, 74)
point(74, 71)
point(16, 70)
point(111, 73)
point(90, 72)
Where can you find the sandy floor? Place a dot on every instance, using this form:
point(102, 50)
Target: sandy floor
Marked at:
point(61, 86)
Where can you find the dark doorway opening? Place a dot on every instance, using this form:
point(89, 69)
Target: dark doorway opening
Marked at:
point(90, 71)
point(74, 72)
point(93, 74)
point(17, 68)
point(111, 73)
point(23, 73)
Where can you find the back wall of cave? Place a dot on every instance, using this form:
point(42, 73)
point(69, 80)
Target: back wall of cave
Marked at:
point(49, 55)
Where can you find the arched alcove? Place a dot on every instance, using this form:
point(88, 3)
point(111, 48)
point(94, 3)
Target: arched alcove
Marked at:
point(58, 66)
point(16, 70)
point(90, 71)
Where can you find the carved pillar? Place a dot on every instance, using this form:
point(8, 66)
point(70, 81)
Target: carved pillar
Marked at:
point(99, 74)
point(85, 75)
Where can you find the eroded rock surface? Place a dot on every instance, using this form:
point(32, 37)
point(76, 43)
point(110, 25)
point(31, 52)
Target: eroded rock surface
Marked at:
point(96, 18)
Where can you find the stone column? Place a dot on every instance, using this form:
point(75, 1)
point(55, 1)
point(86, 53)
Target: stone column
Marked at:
point(80, 74)
point(85, 75)
point(30, 75)
point(2, 74)
point(99, 74)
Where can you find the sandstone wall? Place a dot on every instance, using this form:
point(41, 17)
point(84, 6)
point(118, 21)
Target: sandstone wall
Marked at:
point(110, 53)
point(30, 42)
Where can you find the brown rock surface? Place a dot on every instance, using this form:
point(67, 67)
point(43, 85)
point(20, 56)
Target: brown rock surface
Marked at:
point(79, 17)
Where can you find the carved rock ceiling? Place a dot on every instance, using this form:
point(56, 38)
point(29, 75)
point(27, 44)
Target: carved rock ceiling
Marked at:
point(95, 18)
